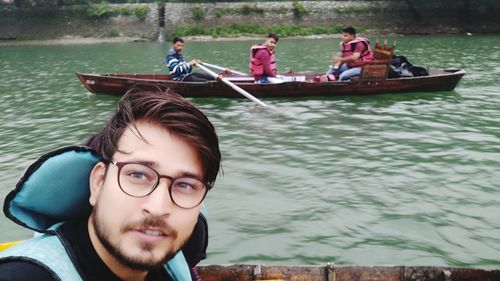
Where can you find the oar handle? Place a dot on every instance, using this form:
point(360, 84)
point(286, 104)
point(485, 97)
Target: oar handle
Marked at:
point(223, 68)
point(235, 87)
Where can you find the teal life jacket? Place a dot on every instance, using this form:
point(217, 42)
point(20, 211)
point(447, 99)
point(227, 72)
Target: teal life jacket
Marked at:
point(46, 251)
point(60, 176)
point(49, 252)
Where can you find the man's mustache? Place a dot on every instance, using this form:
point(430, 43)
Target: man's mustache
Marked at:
point(152, 222)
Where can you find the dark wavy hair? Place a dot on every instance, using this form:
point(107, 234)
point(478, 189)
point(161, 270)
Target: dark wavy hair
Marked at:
point(349, 30)
point(170, 111)
point(177, 39)
point(274, 36)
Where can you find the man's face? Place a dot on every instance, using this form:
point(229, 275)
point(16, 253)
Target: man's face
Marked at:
point(143, 233)
point(346, 37)
point(178, 46)
point(270, 44)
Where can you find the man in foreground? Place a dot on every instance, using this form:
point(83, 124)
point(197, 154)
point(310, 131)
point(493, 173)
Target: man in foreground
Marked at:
point(159, 156)
point(355, 51)
point(181, 70)
point(263, 61)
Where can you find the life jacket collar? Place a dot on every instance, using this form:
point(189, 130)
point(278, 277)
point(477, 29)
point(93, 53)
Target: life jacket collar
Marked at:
point(53, 189)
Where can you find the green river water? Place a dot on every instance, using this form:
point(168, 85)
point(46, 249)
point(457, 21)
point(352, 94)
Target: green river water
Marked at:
point(409, 179)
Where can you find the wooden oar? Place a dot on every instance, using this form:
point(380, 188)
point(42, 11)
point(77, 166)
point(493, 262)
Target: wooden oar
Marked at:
point(224, 68)
point(236, 88)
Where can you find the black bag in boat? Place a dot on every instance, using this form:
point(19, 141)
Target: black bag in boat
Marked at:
point(419, 71)
point(398, 61)
point(401, 67)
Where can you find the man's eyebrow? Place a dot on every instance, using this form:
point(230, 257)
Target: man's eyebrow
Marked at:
point(188, 174)
point(154, 165)
point(151, 164)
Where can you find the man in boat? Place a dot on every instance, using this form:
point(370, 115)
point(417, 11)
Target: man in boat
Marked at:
point(263, 61)
point(181, 70)
point(132, 203)
point(354, 52)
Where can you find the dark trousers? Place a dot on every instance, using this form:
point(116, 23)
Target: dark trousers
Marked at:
point(198, 77)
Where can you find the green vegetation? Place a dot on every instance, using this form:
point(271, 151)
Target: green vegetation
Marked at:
point(299, 10)
point(465, 11)
point(247, 10)
point(55, 3)
point(244, 10)
point(106, 10)
point(197, 13)
point(372, 9)
point(141, 12)
point(113, 33)
point(219, 12)
point(254, 29)
point(101, 11)
point(279, 10)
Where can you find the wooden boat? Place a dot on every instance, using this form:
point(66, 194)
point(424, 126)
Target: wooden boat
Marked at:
point(343, 273)
point(373, 80)
point(118, 84)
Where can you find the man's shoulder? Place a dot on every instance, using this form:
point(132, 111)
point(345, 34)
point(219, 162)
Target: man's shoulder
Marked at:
point(360, 44)
point(262, 52)
point(25, 270)
point(171, 56)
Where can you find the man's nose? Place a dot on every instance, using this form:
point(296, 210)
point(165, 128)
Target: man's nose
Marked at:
point(159, 202)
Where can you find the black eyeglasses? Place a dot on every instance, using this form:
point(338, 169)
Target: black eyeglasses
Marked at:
point(138, 180)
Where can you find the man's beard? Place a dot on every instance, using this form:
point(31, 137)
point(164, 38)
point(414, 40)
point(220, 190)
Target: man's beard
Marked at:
point(145, 263)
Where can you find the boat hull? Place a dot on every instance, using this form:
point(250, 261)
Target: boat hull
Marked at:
point(344, 273)
point(119, 84)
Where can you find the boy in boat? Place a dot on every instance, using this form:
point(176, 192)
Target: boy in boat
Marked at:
point(132, 203)
point(263, 61)
point(181, 70)
point(354, 52)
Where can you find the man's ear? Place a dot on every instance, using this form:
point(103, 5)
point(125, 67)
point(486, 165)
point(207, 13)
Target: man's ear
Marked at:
point(96, 181)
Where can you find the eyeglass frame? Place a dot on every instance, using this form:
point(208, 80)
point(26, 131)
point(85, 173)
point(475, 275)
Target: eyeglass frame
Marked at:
point(120, 165)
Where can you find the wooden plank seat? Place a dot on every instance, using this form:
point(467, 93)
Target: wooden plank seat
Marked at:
point(378, 68)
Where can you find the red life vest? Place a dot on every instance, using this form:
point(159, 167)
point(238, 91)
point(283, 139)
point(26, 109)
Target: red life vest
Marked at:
point(256, 66)
point(349, 47)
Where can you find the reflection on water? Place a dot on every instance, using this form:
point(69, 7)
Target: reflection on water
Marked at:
point(387, 179)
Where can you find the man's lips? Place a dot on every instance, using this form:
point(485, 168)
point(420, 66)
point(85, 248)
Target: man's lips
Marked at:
point(152, 231)
point(151, 234)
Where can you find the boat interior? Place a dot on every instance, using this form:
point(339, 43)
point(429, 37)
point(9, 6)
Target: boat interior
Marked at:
point(287, 77)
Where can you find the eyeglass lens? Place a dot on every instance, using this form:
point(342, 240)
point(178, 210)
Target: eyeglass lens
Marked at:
point(138, 180)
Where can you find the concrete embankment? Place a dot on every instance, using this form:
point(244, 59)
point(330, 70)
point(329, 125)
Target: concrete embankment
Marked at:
point(147, 20)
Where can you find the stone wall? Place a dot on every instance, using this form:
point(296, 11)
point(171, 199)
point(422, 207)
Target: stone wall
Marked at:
point(389, 16)
point(319, 13)
point(73, 21)
point(383, 16)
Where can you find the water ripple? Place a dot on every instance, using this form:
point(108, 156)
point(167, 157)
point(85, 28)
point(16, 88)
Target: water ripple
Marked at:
point(389, 179)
